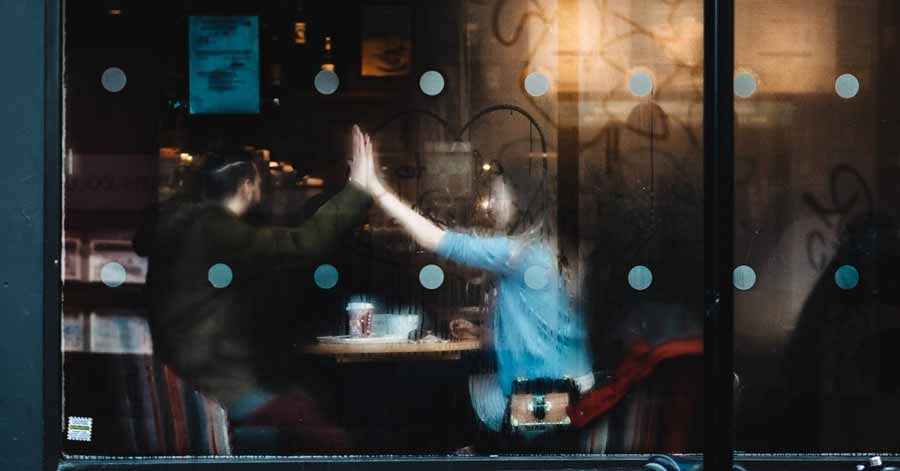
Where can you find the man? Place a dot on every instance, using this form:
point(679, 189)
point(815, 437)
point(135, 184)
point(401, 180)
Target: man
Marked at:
point(208, 283)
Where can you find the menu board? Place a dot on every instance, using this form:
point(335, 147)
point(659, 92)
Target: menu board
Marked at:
point(224, 64)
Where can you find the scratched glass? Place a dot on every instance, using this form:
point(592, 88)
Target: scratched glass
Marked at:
point(554, 147)
point(815, 217)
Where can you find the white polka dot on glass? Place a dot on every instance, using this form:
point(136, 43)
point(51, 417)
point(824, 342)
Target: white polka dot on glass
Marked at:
point(326, 276)
point(846, 86)
point(431, 83)
point(640, 278)
point(640, 84)
point(113, 275)
point(431, 277)
point(537, 84)
point(536, 277)
point(220, 275)
point(744, 85)
point(744, 278)
point(326, 82)
point(113, 79)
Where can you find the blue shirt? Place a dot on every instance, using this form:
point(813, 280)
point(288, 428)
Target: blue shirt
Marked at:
point(536, 332)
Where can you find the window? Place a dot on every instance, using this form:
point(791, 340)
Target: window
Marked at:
point(550, 258)
point(815, 226)
point(527, 250)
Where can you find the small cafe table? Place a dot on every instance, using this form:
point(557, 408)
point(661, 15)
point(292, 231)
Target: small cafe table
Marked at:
point(398, 351)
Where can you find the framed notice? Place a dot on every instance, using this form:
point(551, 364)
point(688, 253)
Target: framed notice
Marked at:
point(224, 64)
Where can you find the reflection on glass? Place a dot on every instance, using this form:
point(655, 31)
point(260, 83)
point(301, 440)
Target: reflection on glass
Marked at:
point(815, 193)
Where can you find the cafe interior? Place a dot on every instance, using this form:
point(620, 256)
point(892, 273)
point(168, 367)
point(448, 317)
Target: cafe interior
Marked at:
point(591, 110)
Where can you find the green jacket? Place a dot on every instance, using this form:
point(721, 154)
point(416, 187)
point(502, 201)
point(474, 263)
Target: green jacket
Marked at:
point(205, 333)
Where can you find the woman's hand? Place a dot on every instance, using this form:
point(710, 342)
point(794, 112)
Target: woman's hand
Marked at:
point(361, 161)
point(376, 188)
point(461, 329)
point(423, 231)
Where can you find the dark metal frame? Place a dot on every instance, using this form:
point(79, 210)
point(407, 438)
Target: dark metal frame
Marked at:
point(718, 234)
point(31, 401)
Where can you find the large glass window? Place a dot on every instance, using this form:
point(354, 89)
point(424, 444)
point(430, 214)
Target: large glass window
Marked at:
point(816, 226)
point(421, 228)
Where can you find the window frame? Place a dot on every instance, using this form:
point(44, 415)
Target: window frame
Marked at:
point(34, 438)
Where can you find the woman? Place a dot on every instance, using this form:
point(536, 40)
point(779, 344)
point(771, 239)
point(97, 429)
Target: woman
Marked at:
point(536, 333)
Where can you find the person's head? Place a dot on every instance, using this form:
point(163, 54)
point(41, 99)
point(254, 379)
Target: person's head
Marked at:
point(233, 180)
point(512, 203)
point(500, 205)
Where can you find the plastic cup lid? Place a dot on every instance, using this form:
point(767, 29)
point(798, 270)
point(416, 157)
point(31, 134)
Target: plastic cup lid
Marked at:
point(353, 306)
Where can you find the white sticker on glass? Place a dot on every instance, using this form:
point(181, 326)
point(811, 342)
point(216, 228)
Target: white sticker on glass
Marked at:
point(640, 84)
point(537, 84)
point(113, 274)
point(846, 86)
point(431, 277)
point(113, 79)
point(432, 83)
point(326, 82)
point(640, 278)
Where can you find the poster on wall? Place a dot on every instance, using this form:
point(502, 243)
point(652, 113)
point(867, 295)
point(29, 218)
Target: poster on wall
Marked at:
point(386, 47)
point(224, 64)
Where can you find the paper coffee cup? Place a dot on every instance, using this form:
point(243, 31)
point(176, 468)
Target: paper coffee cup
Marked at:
point(359, 319)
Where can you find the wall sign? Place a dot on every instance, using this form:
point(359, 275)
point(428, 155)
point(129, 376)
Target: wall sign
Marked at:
point(224, 64)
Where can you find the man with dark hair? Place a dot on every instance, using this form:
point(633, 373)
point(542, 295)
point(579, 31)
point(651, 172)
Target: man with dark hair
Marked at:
point(208, 281)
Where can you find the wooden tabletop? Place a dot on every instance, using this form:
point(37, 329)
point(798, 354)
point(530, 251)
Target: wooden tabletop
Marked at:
point(345, 353)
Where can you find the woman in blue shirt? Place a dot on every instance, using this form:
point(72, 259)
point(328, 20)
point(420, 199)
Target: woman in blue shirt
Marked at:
point(536, 333)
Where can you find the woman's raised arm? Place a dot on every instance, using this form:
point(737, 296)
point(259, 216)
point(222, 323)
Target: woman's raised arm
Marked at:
point(423, 231)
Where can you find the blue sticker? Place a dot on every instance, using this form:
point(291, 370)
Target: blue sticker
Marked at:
point(431, 277)
point(846, 86)
point(846, 277)
point(326, 276)
point(744, 278)
point(432, 83)
point(641, 84)
point(537, 84)
point(113, 274)
point(113, 79)
point(220, 275)
point(326, 82)
point(744, 85)
point(640, 278)
point(536, 277)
